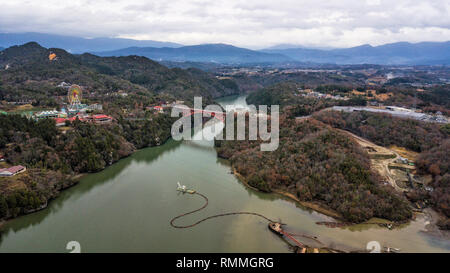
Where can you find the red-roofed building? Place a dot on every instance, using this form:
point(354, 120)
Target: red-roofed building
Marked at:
point(101, 119)
point(60, 121)
point(158, 108)
point(79, 117)
point(12, 170)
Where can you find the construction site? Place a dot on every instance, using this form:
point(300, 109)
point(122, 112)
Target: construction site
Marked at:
point(396, 166)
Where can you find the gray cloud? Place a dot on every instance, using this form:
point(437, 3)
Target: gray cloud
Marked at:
point(250, 23)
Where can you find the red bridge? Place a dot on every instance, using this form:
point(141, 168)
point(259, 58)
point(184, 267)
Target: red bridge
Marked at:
point(216, 114)
point(192, 111)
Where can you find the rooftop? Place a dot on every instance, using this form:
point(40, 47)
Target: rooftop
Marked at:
point(13, 169)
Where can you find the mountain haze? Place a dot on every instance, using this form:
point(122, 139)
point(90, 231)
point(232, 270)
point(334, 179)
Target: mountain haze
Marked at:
point(216, 53)
point(76, 44)
point(403, 53)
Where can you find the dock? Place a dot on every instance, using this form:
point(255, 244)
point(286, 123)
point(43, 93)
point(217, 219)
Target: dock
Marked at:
point(277, 229)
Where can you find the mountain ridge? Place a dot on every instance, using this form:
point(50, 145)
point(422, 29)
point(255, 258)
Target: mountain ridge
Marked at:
point(401, 53)
point(28, 73)
point(215, 53)
point(75, 44)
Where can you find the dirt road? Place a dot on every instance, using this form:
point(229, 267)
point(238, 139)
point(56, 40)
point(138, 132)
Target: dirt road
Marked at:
point(381, 157)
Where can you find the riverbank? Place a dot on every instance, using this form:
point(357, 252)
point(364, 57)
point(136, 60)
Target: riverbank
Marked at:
point(311, 205)
point(320, 208)
point(431, 228)
point(62, 185)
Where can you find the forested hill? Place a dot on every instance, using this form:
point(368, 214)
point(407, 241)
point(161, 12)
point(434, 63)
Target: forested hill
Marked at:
point(28, 73)
point(315, 162)
point(291, 100)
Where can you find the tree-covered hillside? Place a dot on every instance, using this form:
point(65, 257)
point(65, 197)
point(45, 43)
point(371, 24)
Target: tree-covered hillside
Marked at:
point(125, 86)
point(290, 99)
point(53, 157)
point(29, 74)
point(430, 139)
point(319, 164)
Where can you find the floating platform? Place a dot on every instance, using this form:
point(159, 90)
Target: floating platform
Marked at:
point(187, 191)
point(276, 228)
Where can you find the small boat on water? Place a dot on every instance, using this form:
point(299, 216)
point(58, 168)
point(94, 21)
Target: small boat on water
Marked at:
point(276, 228)
point(183, 189)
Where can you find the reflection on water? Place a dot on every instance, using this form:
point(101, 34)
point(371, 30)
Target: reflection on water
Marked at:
point(95, 179)
point(128, 206)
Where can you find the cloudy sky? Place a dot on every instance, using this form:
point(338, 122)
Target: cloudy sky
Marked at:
point(248, 23)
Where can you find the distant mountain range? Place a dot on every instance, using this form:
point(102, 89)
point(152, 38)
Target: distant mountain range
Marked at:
point(76, 44)
point(426, 53)
point(289, 46)
point(402, 53)
point(215, 53)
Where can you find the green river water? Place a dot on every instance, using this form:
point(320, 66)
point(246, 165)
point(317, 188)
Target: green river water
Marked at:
point(127, 208)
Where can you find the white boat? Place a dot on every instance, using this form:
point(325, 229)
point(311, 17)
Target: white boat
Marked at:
point(183, 189)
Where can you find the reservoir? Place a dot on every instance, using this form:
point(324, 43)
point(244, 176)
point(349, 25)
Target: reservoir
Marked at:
point(128, 206)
